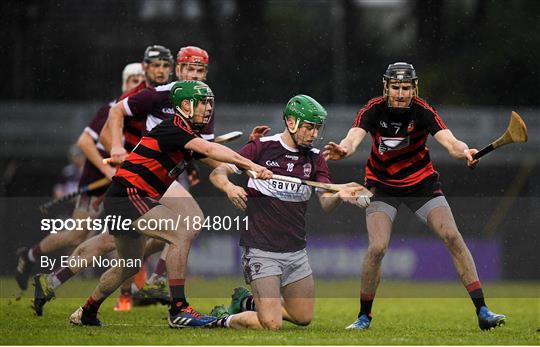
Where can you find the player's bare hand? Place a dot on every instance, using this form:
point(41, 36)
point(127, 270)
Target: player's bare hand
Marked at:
point(355, 194)
point(333, 151)
point(261, 172)
point(118, 155)
point(238, 196)
point(258, 132)
point(108, 171)
point(469, 157)
point(193, 175)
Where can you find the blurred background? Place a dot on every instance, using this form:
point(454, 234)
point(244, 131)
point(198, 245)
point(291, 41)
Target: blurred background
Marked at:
point(477, 60)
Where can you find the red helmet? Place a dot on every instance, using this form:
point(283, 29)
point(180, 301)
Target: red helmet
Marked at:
point(192, 54)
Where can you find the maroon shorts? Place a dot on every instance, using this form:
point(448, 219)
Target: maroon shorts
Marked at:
point(91, 174)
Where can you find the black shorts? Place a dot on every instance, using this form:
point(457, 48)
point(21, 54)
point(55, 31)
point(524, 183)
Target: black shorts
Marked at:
point(413, 197)
point(122, 203)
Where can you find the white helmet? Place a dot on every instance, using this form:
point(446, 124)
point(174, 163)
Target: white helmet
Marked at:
point(130, 70)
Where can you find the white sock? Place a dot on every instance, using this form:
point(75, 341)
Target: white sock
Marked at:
point(54, 282)
point(31, 256)
point(134, 288)
point(227, 323)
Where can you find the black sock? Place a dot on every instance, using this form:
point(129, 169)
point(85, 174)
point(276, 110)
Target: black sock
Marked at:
point(91, 306)
point(125, 292)
point(477, 297)
point(366, 302)
point(179, 301)
point(177, 304)
point(476, 294)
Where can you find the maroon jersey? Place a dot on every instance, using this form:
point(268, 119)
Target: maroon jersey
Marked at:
point(154, 105)
point(134, 127)
point(399, 156)
point(147, 166)
point(90, 172)
point(276, 210)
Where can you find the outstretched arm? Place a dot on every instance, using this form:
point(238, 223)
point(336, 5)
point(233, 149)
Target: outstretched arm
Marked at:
point(224, 154)
point(329, 201)
point(456, 148)
point(346, 147)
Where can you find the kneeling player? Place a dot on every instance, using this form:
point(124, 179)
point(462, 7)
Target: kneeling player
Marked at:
point(139, 192)
point(275, 261)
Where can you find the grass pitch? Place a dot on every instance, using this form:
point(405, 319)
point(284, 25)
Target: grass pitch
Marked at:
point(437, 314)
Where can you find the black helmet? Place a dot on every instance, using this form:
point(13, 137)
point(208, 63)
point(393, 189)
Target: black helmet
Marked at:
point(400, 71)
point(157, 52)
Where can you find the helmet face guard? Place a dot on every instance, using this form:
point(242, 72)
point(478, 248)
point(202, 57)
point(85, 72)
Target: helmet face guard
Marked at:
point(303, 135)
point(208, 102)
point(192, 71)
point(399, 73)
point(196, 92)
point(194, 59)
point(309, 118)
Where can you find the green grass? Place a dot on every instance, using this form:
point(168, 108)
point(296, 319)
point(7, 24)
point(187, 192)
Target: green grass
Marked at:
point(438, 314)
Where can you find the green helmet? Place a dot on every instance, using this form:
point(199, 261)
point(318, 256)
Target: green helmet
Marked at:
point(193, 91)
point(304, 109)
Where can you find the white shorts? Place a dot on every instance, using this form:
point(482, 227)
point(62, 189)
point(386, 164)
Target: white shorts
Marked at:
point(289, 266)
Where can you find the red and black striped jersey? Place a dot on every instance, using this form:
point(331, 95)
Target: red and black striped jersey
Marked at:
point(399, 155)
point(147, 166)
point(153, 104)
point(134, 127)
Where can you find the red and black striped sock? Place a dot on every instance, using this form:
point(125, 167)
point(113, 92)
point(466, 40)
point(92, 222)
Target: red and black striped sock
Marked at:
point(476, 294)
point(366, 302)
point(92, 305)
point(178, 297)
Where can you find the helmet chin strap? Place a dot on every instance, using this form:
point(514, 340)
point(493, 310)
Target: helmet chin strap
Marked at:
point(301, 147)
point(398, 110)
point(184, 114)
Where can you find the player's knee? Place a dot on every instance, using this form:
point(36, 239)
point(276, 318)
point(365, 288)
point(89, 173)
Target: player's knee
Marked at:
point(81, 250)
point(191, 235)
point(107, 245)
point(191, 231)
point(76, 237)
point(302, 320)
point(271, 323)
point(377, 250)
point(129, 271)
point(175, 239)
point(453, 239)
